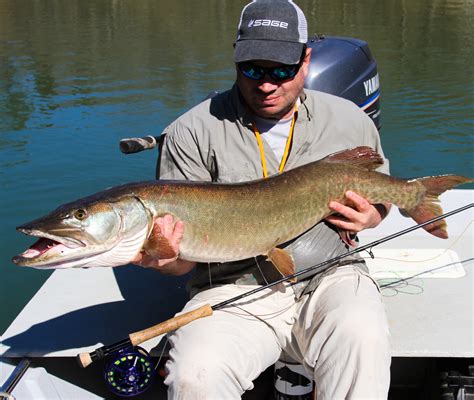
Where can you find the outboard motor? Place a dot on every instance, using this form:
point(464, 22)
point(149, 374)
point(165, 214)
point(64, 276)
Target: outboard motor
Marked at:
point(345, 67)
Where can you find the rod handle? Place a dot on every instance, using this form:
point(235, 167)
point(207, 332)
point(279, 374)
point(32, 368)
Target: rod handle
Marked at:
point(170, 325)
point(84, 359)
point(135, 145)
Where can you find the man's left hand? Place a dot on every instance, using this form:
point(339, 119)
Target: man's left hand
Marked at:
point(357, 217)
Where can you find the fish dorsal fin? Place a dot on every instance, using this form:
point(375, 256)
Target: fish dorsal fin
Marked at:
point(362, 157)
point(282, 261)
point(159, 247)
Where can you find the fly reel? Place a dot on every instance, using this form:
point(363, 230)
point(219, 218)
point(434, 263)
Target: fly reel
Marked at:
point(129, 372)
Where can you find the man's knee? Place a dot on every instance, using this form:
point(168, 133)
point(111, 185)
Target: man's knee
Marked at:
point(203, 376)
point(359, 319)
point(191, 378)
point(361, 325)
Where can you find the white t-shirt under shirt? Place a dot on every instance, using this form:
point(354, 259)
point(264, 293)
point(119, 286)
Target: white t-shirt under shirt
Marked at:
point(275, 133)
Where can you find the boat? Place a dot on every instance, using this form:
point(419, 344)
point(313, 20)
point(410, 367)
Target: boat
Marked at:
point(427, 285)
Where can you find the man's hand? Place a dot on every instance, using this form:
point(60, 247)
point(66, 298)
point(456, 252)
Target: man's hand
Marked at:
point(357, 217)
point(165, 228)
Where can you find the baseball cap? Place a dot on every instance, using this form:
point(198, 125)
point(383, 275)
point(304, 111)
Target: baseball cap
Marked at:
point(273, 30)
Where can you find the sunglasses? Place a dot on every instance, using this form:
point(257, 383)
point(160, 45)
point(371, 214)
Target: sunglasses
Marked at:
point(279, 74)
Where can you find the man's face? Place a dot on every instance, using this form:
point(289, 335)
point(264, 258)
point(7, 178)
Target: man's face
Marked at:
point(271, 99)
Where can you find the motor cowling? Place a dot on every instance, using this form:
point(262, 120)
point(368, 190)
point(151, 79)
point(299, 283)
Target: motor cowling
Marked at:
point(346, 68)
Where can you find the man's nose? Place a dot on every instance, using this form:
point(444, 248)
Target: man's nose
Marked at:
point(267, 85)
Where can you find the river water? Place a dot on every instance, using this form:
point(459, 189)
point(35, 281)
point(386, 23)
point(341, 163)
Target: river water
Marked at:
point(76, 76)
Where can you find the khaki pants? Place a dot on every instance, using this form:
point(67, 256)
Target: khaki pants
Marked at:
point(339, 333)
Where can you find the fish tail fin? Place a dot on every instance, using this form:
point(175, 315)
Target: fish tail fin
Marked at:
point(429, 207)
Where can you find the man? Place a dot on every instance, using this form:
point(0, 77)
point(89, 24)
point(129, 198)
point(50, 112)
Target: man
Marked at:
point(333, 324)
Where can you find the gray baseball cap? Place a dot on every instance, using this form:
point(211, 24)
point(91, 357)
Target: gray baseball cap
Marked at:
point(273, 30)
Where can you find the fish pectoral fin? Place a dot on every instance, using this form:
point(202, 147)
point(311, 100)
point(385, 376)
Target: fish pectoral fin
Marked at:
point(159, 247)
point(282, 261)
point(363, 157)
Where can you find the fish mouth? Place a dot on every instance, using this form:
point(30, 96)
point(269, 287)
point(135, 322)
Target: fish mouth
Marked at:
point(46, 243)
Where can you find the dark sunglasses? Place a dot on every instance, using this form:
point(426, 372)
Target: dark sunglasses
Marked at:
point(279, 73)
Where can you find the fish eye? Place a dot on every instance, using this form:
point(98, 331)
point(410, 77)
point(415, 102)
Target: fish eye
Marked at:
point(80, 214)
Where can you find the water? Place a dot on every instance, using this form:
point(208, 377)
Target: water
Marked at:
point(77, 76)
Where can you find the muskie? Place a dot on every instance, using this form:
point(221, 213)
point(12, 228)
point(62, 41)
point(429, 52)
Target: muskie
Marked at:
point(224, 222)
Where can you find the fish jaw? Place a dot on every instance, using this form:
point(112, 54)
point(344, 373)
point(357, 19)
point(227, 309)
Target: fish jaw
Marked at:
point(52, 251)
point(68, 241)
point(50, 254)
point(112, 234)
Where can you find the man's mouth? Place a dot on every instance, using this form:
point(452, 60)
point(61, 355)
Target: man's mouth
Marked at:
point(269, 100)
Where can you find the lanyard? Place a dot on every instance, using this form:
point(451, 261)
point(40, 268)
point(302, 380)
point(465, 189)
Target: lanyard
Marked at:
point(287, 146)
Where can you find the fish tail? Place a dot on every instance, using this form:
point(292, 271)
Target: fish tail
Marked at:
point(429, 206)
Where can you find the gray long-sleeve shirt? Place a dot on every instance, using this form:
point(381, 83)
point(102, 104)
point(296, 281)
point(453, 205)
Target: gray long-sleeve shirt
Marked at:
point(215, 141)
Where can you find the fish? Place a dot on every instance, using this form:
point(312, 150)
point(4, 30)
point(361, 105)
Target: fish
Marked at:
point(294, 378)
point(224, 222)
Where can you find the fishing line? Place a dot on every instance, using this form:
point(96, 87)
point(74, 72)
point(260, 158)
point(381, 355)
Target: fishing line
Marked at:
point(400, 285)
point(397, 279)
point(162, 352)
point(403, 288)
point(261, 272)
point(262, 316)
point(424, 272)
point(443, 251)
point(259, 317)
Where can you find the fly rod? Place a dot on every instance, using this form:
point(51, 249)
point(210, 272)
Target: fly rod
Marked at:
point(174, 323)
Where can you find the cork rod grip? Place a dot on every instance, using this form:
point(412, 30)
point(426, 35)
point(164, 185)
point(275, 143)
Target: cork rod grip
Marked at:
point(170, 325)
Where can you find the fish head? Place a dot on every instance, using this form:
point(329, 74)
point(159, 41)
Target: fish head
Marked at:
point(87, 233)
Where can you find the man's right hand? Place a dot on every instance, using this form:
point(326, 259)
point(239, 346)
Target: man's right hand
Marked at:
point(173, 233)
